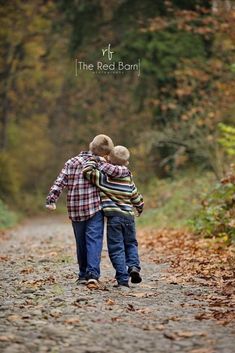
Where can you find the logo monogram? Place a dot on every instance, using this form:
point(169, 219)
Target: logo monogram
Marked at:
point(104, 67)
point(109, 52)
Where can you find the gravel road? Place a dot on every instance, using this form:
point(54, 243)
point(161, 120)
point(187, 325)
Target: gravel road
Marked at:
point(43, 310)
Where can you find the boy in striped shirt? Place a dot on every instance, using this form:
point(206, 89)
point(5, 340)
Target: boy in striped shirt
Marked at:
point(119, 197)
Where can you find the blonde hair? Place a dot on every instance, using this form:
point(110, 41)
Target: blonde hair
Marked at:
point(101, 145)
point(119, 155)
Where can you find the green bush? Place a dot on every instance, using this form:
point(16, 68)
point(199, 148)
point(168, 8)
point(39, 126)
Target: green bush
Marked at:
point(215, 217)
point(171, 202)
point(228, 138)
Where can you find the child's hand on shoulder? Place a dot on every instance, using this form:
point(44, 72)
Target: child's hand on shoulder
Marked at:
point(138, 213)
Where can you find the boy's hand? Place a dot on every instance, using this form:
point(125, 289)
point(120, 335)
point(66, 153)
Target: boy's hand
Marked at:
point(104, 158)
point(51, 206)
point(138, 213)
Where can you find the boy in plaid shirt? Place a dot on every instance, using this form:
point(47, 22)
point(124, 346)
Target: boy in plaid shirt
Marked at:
point(84, 205)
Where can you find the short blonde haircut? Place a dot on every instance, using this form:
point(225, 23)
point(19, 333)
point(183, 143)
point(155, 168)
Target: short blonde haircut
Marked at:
point(101, 145)
point(119, 155)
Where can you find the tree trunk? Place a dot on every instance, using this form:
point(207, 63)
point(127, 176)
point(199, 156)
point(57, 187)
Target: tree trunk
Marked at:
point(4, 122)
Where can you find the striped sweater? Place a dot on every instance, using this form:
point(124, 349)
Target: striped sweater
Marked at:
point(118, 195)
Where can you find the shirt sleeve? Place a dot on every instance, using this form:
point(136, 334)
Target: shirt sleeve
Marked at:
point(60, 183)
point(137, 199)
point(115, 171)
point(92, 174)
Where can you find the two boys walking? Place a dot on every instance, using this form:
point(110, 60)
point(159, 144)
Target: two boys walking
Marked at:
point(97, 187)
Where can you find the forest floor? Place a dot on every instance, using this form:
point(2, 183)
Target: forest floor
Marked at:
point(184, 304)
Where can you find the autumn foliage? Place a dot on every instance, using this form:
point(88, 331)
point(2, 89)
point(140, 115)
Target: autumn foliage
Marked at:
point(169, 116)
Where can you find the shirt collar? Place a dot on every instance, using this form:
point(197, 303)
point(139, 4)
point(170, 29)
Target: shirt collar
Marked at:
point(85, 154)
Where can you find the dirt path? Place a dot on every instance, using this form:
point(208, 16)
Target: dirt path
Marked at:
point(43, 310)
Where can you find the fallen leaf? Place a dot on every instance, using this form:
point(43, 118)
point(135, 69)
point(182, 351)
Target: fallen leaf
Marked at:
point(4, 258)
point(144, 310)
point(27, 270)
point(160, 327)
point(174, 318)
point(55, 313)
point(188, 334)
point(6, 338)
point(117, 318)
point(202, 350)
point(130, 307)
point(13, 317)
point(201, 316)
point(53, 253)
point(138, 295)
point(110, 302)
point(170, 336)
point(72, 320)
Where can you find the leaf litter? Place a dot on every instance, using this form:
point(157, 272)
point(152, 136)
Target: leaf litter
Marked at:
point(198, 261)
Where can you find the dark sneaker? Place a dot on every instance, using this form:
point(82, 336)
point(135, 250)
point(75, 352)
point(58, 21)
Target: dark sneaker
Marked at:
point(81, 280)
point(134, 273)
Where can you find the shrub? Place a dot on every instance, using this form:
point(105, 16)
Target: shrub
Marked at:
point(228, 138)
point(215, 218)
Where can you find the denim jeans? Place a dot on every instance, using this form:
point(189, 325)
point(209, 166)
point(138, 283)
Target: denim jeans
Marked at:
point(89, 241)
point(122, 246)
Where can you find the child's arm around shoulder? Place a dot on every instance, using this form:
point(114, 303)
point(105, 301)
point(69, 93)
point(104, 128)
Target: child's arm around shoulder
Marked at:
point(90, 169)
point(137, 199)
point(115, 171)
point(91, 173)
point(99, 163)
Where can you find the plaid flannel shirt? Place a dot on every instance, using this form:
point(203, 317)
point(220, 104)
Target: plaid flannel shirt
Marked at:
point(83, 198)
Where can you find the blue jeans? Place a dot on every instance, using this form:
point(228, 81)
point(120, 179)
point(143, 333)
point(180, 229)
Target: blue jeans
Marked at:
point(122, 246)
point(89, 241)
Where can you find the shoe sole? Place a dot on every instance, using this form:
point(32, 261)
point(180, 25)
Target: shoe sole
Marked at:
point(135, 277)
point(93, 285)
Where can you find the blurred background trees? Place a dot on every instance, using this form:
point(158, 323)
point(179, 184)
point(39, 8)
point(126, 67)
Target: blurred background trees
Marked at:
point(170, 117)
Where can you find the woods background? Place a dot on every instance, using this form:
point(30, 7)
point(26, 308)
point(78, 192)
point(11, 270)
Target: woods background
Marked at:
point(177, 118)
